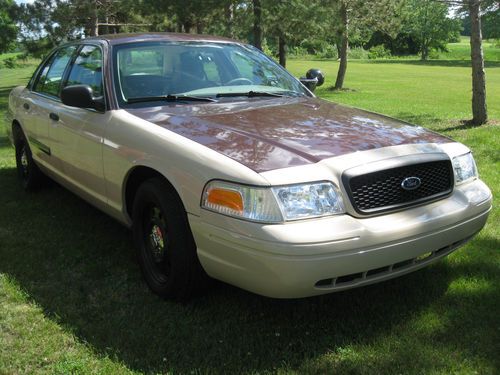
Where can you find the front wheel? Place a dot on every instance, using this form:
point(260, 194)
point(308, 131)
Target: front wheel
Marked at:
point(164, 242)
point(28, 172)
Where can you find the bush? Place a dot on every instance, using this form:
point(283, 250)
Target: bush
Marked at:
point(297, 52)
point(435, 55)
point(266, 48)
point(11, 63)
point(357, 53)
point(379, 52)
point(329, 52)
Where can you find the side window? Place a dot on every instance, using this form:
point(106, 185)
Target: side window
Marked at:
point(49, 81)
point(87, 69)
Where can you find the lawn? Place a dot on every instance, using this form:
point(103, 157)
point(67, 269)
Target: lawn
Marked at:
point(72, 299)
point(461, 50)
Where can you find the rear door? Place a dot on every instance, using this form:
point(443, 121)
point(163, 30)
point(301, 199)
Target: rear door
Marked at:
point(39, 103)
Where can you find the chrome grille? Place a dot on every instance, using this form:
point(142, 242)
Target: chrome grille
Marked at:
point(382, 190)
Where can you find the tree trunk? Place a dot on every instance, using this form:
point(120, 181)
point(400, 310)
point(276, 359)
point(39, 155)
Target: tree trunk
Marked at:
point(339, 82)
point(425, 53)
point(200, 27)
point(229, 13)
point(187, 26)
point(94, 23)
point(105, 29)
point(479, 109)
point(282, 50)
point(257, 24)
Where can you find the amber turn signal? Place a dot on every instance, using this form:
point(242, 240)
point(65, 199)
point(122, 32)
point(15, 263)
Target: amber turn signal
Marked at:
point(226, 198)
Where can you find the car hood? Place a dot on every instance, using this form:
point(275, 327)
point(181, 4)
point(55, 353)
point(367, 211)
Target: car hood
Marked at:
point(267, 134)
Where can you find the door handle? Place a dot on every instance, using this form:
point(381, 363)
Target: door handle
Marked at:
point(26, 106)
point(54, 116)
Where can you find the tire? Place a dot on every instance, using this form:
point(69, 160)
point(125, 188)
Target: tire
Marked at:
point(28, 172)
point(165, 246)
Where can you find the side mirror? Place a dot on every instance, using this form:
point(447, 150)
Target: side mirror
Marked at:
point(314, 78)
point(81, 96)
point(309, 83)
point(316, 73)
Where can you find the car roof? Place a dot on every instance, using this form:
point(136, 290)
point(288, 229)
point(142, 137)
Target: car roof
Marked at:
point(171, 37)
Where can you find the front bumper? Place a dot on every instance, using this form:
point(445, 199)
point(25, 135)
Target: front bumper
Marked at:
point(312, 257)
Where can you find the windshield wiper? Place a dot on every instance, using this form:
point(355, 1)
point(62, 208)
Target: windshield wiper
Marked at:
point(171, 98)
point(250, 94)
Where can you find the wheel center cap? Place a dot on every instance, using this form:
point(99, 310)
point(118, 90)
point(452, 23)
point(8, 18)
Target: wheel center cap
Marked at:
point(157, 238)
point(24, 159)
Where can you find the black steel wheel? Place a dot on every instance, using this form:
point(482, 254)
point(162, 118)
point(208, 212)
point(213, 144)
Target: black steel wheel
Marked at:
point(165, 246)
point(28, 172)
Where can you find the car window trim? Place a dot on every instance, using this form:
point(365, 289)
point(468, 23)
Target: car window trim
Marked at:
point(67, 72)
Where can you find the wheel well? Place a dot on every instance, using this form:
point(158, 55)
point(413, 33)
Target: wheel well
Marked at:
point(136, 177)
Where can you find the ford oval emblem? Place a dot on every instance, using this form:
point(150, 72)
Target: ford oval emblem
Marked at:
point(411, 183)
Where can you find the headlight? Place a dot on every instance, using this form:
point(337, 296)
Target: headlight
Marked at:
point(464, 167)
point(273, 205)
point(309, 200)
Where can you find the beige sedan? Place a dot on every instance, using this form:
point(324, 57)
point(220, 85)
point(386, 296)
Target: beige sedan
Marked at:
point(224, 165)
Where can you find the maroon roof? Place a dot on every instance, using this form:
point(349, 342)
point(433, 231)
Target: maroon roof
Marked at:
point(174, 37)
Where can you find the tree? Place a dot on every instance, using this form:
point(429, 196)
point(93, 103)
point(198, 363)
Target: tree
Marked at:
point(430, 26)
point(257, 23)
point(8, 28)
point(490, 20)
point(473, 9)
point(46, 23)
point(189, 16)
point(479, 109)
point(356, 17)
point(292, 21)
point(343, 45)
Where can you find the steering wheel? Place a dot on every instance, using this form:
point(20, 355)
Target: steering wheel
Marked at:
point(239, 82)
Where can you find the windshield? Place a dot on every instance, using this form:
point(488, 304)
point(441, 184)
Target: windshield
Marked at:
point(198, 69)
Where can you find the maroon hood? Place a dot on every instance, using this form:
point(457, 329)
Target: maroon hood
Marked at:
point(266, 134)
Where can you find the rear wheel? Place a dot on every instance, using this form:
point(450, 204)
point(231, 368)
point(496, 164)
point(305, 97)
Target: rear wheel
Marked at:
point(164, 242)
point(28, 172)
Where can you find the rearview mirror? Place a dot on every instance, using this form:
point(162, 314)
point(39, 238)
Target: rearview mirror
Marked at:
point(81, 96)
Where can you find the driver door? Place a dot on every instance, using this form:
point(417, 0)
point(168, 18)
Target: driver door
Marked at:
point(79, 133)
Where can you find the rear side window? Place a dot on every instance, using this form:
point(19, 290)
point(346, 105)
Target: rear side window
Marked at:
point(51, 75)
point(87, 69)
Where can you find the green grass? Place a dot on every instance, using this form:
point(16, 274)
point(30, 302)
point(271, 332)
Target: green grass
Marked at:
point(461, 51)
point(72, 299)
point(5, 56)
